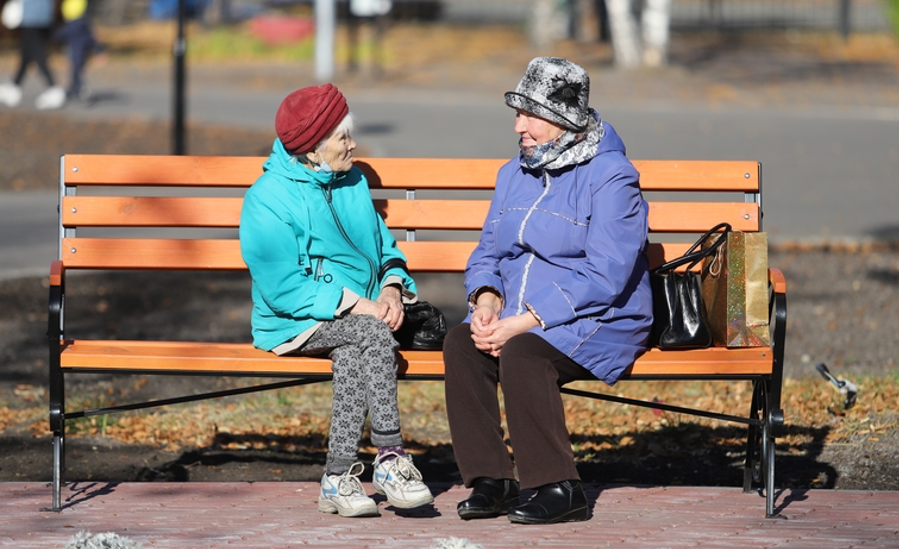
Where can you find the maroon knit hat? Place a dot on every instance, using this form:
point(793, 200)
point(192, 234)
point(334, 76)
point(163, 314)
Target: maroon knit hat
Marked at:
point(307, 115)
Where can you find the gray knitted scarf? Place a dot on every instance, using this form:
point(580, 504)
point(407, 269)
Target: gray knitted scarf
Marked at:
point(568, 149)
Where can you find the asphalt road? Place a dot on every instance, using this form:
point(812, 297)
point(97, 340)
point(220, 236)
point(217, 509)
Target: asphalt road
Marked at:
point(829, 165)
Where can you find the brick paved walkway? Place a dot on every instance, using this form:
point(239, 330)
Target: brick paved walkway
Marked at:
point(285, 515)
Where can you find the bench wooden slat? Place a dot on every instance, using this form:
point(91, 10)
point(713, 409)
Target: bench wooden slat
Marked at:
point(698, 217)
point(244, 358)
point(215, 357)
point(699, 175)
point(163, 170)
point(429, 173)
point(120, 211)
point(87, 211)
point(224, 254)
point(176, 254)
point(393, 173)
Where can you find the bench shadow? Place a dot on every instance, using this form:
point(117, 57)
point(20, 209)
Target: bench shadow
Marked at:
point(255, 457)
point(690, 454)
point(84, 491)
point(686, 454)
point(267, 457)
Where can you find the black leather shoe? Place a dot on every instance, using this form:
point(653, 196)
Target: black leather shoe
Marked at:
point(553, 503)
point(489, 498)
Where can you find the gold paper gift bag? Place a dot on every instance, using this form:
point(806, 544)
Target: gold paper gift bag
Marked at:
point(735, 291)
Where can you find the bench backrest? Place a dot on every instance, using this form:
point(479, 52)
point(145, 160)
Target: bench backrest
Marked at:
point(437, 207)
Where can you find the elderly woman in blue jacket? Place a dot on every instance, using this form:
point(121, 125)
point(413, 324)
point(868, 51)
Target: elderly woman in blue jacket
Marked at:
point(558, 290)
point(324, 284)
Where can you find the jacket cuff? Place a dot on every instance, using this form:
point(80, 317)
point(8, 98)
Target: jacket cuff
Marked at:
point(347, 301)
point(536, 315)
point(408, 296)
point(473, 297)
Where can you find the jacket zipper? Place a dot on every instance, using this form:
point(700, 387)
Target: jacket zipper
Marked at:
point(520, 308)
point(370, 288)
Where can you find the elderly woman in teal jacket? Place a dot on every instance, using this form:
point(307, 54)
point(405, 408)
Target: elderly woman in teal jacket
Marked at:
point(323, 284)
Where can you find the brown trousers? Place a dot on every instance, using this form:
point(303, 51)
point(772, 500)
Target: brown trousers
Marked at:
point(530, 371)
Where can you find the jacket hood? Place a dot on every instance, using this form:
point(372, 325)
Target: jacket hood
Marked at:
point(283, 164)
point(611, 141)
point(599, 138)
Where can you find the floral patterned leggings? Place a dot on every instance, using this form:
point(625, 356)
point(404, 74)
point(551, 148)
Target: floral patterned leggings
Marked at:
point(363, 354)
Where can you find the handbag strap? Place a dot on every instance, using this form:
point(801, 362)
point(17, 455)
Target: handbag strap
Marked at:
point(694, 254)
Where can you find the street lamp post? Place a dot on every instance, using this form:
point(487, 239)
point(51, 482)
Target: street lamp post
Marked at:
point(179, 107)
point(324, 39)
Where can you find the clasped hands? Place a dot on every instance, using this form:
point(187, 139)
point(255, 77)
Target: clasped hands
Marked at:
point(388, 307)
point(489, 332)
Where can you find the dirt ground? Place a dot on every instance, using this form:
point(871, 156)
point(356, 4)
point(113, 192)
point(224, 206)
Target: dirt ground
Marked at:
point(842, 311)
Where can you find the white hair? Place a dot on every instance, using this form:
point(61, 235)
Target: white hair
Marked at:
point(345, 126)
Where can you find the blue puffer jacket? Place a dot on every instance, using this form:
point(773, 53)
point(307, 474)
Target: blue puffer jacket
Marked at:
point(571, 244)
point(310, 240)
point(37, 14)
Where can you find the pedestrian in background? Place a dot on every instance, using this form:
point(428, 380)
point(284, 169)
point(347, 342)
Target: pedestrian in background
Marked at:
point(35, 28)
point(77, 35)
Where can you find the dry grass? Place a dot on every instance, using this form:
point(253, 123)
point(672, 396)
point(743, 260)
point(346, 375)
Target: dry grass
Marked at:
point(282, 418)
point(404, 43)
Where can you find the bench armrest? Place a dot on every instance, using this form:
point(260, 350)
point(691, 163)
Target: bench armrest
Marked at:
point(57, 272)
point(777, 280)
point(57, 297)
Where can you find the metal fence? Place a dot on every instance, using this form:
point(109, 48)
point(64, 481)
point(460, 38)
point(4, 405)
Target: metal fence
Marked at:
point(859, 15)
point(827, 15)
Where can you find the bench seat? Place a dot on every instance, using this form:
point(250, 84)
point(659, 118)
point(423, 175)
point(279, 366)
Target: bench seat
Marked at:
point(230, 359)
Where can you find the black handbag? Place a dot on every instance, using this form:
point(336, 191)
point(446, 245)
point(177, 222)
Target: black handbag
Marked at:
point(424, 325)
point(680, 320)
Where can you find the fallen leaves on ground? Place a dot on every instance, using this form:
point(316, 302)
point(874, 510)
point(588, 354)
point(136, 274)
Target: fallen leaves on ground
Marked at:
point(295, 418)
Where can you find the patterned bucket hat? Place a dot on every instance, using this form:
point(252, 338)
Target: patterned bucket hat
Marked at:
point(554, 89)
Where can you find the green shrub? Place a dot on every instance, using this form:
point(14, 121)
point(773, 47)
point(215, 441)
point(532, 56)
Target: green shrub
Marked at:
point(893, 15)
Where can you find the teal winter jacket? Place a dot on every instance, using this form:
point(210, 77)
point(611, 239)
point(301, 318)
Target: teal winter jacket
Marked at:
point(312, 241)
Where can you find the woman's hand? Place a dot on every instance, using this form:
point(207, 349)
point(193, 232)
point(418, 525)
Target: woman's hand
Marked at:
point(491, 338)
point(364, 306)
point(392, 297)
point(489, 332)
point(388, 307)
point(487, 310)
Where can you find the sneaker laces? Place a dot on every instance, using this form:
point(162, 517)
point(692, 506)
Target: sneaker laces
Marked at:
point(348, 484)
point(403, 467)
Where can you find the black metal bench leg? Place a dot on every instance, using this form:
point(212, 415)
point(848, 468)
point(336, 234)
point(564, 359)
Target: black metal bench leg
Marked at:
point(57, 393)
point(752, 440)
point(774, 417)
point(774, 420)
point(769, 481)
point(57, 424)
point(58, 457)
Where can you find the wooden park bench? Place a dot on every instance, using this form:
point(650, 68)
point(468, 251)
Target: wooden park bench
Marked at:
point(137, 195)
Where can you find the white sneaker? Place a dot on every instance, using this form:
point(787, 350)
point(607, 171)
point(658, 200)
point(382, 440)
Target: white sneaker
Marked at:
point(51, 98)
point(345, 495)
point(400, 480)
point(10, 94)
